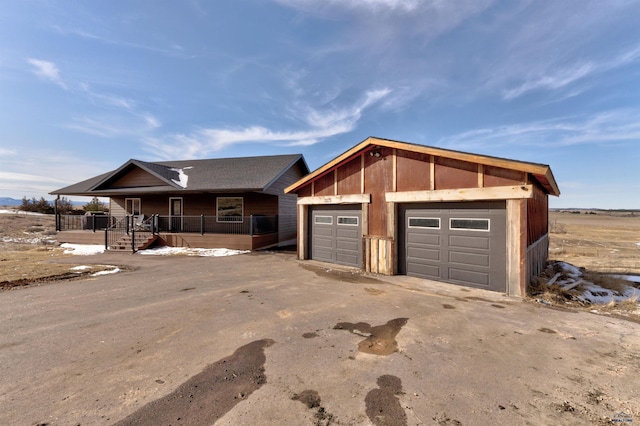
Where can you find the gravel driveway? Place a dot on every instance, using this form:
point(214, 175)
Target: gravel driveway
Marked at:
point(263, 339)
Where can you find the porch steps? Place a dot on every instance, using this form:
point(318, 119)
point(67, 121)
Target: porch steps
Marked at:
point(143, 241)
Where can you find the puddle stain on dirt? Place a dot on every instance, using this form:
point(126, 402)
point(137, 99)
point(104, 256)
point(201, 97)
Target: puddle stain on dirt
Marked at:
point(312, 400)
point(447, 306)
point(310, 335)
point(355, 276)
point(380, 339)
point(383, 406)
point(547, 330)
point(209, 395)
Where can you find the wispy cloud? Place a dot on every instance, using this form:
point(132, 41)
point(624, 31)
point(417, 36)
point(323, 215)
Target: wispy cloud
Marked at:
point(560, 78)
point(321, 124)
point(605, 127)
point(108, 99)
point(47, 71)
point(115, 125)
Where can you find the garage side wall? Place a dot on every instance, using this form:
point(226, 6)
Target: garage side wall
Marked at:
point(537, 232)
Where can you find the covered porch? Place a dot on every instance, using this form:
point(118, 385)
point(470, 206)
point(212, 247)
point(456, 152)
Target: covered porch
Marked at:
point(133, 233)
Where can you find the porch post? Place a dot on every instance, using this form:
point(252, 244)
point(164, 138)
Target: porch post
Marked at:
point(93, 222)
point(251, 225)
point(201, 224)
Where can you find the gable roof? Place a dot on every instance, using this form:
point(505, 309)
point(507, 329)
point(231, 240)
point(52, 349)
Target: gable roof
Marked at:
point(241, 174)
point(541, 172)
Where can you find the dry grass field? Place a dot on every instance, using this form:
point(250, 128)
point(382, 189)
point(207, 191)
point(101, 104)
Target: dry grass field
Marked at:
point(599, 241)
point(607, 242)
point(28, 250)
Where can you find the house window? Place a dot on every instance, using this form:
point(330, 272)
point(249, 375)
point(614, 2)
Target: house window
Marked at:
point(348, 220)
point(424, 222)
point(132, 206)
point(230, 209)
point(469, 224)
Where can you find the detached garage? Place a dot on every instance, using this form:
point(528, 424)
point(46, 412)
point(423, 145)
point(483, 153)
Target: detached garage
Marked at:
point(392, 207)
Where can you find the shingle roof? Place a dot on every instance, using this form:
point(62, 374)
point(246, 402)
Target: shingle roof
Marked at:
point(212, 175)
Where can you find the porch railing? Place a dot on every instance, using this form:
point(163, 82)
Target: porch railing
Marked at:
point(247, 225)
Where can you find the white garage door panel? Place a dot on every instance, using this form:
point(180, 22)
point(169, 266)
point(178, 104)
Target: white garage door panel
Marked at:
point(426, 271)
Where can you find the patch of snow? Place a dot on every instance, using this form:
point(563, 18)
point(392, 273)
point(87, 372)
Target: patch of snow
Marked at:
point(115, 270)
point(599, 296)
point(5, 211)
point(183, 178)
point(82, 249)
point(34, 240)
point(80, 268)
point(185, 251)
point(632, 278)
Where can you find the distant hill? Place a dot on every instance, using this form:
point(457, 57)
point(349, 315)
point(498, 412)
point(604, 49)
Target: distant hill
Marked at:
point(12, 202)
point(6, 201)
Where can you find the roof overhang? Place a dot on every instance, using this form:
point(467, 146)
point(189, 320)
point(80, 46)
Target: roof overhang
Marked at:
point(541, 172)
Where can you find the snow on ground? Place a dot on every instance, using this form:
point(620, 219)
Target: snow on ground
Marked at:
point(113, 270)
point(593, 293)
point(82, 249)
point(5, 211)
point(80, 268)
point(34, 240)
point(185, 251)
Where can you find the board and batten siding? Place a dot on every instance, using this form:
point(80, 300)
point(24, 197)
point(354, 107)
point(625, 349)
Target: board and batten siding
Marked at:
point(384, 175)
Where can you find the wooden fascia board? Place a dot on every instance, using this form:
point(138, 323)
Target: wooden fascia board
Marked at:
point(463, 194)
point(521, 166)
point(336, 199)
point(322, 170)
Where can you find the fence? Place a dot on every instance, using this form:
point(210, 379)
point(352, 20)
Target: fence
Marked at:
point(247, 225)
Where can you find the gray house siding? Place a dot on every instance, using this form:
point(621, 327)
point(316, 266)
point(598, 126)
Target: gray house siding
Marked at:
point(287, 220)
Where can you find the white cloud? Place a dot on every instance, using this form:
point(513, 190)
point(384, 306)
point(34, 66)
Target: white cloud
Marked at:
point(606, 127)
point(47, 71)
point(115, 125)
point(321, 125)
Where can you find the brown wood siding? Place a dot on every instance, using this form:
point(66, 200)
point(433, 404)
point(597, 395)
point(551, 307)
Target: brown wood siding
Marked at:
point(324, 185)
point(304, 191)
point(454, 174)
point(537, 215)
point(497, 176)
point(136, 178)
point(196, 205)
point(412, 171)
point(349, 177)
point(378, 180)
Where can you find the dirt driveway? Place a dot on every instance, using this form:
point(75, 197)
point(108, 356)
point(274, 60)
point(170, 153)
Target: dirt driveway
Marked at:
point(263, 339)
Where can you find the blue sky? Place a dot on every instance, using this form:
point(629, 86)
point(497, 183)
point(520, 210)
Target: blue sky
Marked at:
point(85, 86)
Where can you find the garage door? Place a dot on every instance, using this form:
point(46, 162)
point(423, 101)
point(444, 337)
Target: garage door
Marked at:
point(336, 235)
point(461, 243)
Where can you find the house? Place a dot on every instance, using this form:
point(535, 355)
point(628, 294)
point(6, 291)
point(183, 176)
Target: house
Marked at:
point(236, 203)
point(392, 207)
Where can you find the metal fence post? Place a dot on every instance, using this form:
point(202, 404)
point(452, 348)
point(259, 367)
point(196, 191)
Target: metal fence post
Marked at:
point(201, 224)
point(251, 225)
point(133, 240)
